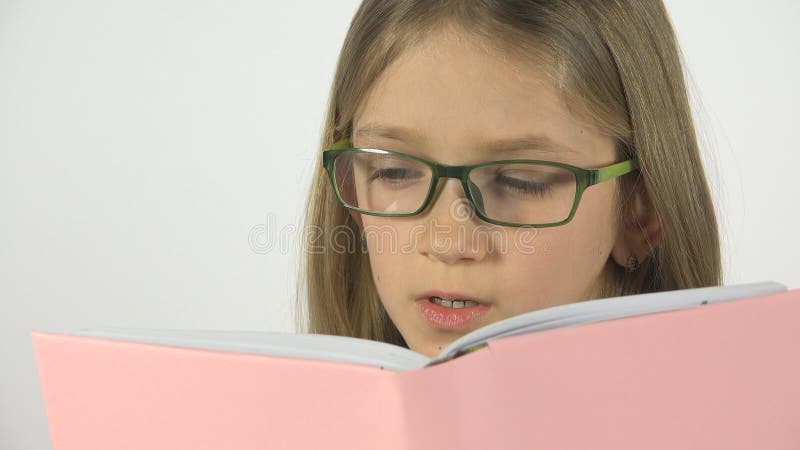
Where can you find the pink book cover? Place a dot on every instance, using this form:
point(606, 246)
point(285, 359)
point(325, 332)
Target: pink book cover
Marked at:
point(721, 376)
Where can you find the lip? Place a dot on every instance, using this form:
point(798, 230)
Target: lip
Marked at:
point(450, 295)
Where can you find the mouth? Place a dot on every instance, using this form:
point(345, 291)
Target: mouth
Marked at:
point(451, 311)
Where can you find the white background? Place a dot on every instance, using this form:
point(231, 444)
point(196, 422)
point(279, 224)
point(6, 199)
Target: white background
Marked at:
point(141, 142)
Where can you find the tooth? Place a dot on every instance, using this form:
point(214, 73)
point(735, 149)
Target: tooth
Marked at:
point(453, 303)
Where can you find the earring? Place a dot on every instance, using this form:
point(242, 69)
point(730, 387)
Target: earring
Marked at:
point(633, 264)
point(363, 243)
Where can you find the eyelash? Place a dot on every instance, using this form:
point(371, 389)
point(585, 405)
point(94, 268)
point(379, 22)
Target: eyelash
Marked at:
point(379, 173)
point(525, 187)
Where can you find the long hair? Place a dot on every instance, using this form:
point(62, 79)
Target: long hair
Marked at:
point(619, 59)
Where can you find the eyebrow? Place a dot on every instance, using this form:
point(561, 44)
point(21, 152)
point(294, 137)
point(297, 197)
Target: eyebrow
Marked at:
point(532, 142)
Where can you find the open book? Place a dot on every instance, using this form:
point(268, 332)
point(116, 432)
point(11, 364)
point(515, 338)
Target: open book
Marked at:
point(393, 357)
point(712, 367)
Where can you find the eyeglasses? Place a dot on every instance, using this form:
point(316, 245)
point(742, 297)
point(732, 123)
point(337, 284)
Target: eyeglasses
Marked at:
point(514, 193)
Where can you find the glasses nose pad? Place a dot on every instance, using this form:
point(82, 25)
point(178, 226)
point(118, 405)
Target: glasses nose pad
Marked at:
point(475, 193)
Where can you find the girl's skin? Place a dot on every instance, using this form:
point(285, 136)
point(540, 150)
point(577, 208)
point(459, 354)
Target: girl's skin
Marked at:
point(458, 98)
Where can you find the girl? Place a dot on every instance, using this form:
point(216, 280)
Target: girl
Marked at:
point(513, 155)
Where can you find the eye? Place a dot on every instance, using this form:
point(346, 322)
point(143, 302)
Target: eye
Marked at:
point(525, 184)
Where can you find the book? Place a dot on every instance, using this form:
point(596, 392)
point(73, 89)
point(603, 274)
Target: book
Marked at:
point(712, 367)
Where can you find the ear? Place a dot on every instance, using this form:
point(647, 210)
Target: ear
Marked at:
point(639, 230)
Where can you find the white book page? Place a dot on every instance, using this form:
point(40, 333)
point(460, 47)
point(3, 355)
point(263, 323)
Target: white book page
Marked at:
point(606, 309)
point(393, 357)
point(290, 345)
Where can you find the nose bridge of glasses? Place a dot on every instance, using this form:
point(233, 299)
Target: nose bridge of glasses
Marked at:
point(457, 172)
point(450, 171)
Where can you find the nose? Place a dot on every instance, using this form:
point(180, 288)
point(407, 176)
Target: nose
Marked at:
point(452, 232)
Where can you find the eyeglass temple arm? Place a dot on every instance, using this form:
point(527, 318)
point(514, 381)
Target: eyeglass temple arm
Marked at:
point(614, 170)
point(341, 143)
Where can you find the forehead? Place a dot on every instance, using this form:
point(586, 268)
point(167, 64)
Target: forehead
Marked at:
point(462, 99)
point(538, 145)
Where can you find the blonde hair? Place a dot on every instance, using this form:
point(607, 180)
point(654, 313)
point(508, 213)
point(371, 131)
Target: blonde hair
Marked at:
point(619, 59)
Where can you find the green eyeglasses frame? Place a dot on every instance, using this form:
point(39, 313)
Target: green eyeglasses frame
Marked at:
point(584, 178)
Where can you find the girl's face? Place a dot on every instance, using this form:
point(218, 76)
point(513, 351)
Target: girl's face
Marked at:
point(455, 102)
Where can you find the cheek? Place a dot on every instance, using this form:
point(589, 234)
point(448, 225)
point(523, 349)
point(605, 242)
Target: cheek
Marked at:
point(595, 223)
point(560, 264)
point(536, 274)
point(389, 248)
point(593, 231)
